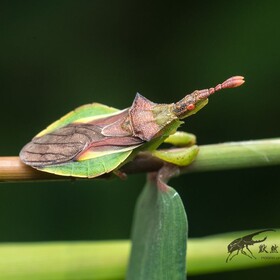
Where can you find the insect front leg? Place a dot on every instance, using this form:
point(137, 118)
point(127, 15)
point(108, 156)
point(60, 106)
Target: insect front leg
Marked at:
point(178, 156)
point(228, 256)
point(181, 139)
point(182, 156)
point(235, 254)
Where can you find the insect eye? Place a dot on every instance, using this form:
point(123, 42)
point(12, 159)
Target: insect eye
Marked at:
point(190, 107)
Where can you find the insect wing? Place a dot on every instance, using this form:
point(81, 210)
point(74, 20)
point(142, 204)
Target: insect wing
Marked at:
point(89, 168)
point(82, 113)
point(75, 145)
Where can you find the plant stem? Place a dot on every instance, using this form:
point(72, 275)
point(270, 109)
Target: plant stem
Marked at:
point(234, 155)
point(108, 259)
point(210, 157)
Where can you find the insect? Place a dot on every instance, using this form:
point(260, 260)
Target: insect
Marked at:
point(95, 139)
point(242, 243)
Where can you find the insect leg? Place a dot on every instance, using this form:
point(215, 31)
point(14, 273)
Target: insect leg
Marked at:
point(250, 251)
point(181, 139)
point(120, 174)
point(178, 156)
point(244, 253)
point(228, 256)
point(235, 254)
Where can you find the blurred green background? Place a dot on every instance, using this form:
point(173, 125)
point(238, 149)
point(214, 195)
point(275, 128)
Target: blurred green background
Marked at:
point(58, 55)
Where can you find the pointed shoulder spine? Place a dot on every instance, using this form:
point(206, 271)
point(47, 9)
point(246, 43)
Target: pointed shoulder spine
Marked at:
point(142, 118)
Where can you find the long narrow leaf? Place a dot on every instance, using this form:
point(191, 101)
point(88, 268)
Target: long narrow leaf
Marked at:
point(159, 235)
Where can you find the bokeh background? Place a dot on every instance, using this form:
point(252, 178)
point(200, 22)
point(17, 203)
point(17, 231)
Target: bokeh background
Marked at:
point(58, 55)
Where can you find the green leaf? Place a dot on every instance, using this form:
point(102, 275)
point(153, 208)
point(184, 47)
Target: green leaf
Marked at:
point(159, 234)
